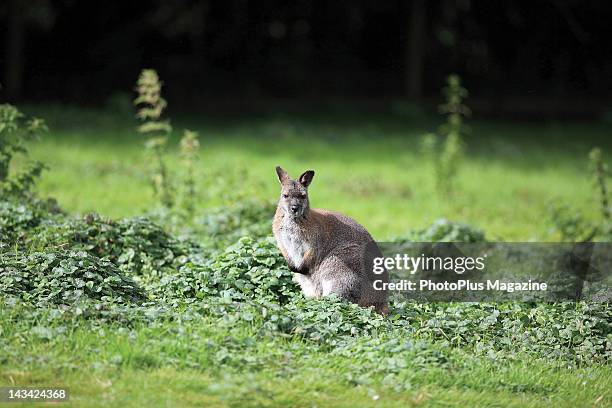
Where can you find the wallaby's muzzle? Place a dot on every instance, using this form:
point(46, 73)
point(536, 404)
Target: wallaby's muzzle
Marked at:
point(296, 211)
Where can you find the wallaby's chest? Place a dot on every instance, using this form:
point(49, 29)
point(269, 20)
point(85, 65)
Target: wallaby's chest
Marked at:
point(292, 238)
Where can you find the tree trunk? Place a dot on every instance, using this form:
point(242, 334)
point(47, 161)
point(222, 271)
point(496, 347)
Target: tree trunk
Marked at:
point(414, 49)
point(14, 51)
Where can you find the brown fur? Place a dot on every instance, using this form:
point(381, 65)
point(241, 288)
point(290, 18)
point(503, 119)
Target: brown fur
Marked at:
point(327, 251)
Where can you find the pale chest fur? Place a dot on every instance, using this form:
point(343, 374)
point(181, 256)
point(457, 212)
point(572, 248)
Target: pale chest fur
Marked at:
point(291, 237)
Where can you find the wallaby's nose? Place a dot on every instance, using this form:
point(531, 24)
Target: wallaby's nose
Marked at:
point(294, 209)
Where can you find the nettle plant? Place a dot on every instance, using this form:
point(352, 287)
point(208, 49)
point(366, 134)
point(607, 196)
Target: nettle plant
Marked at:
point(571, 224)
point(151, 106)
point(15, 130)
point(447, 155)
point(600, 177)
point(189, 146)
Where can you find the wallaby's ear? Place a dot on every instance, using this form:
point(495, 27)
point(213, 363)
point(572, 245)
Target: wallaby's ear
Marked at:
point(282, 174)
point(306, 178)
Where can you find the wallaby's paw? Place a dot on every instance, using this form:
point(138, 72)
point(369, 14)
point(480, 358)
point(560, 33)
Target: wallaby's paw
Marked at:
point(384, 310)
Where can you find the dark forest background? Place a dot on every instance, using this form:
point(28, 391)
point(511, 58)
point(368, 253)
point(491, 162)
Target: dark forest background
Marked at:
point(527, 57)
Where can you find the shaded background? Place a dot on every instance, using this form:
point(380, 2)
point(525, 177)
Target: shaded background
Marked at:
point(518, 58)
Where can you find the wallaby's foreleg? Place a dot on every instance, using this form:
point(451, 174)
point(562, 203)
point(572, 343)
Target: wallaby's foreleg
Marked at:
point(304, 267)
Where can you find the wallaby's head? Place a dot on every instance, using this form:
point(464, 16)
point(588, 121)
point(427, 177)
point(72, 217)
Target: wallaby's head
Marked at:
point(294, 193)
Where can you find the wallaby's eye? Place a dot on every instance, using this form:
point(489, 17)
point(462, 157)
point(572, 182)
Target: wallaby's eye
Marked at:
point(285, 195)
point(302, 195)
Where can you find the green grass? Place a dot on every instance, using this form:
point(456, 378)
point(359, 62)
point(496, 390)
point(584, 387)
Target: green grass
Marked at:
point(119, 367)
point(367, 167)
point(515, 385)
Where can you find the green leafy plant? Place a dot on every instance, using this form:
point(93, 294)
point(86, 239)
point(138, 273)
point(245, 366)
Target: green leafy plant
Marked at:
point(247, 270)
point(19, 218)
point(444, 231)
point(571, 224)
point(15, 130)
point(223, 225)
point(151, 106)
point(64, 277)
point(600, 176)
point(136, 245)
point(453, 130)
point(189, 146)
point(447, 155)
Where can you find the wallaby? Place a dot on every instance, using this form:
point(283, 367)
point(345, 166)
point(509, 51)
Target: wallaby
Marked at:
point(327, 251)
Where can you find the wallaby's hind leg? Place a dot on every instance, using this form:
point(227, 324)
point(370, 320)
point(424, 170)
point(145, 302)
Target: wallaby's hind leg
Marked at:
point(338, 278)
point(350, 278)
point(352, 293)
point(345, 289)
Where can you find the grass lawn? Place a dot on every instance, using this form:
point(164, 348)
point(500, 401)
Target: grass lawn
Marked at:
point(508, 385)
point(149, 366)
point(368, 167)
